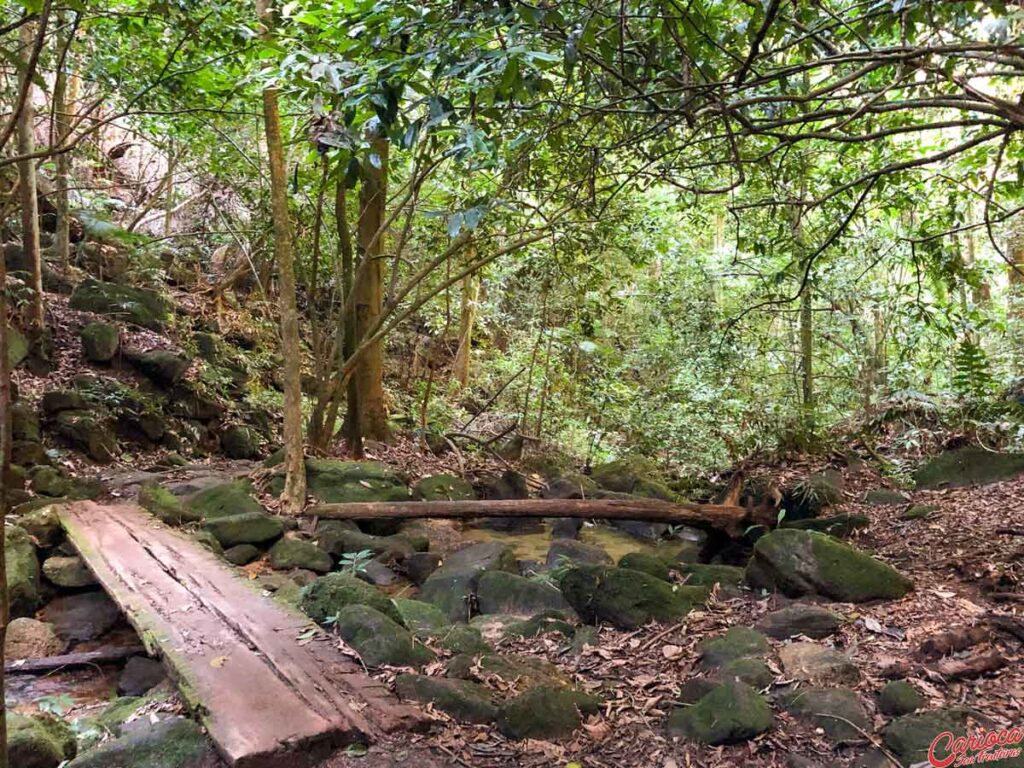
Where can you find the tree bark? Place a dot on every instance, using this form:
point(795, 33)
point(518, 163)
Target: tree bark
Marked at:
point(65, 93)
point(5, 469)
point(1015, 298)
point(467, 318)
point(294, 495)
point(27, 186)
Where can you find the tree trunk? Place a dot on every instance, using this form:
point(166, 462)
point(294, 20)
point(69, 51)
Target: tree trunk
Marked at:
point(294, 495)
point(368, 416)
point(5, 469)
point(1015, 299)
point(27, 188)
point(807, 353)
point(64, 96)
point(470, 295)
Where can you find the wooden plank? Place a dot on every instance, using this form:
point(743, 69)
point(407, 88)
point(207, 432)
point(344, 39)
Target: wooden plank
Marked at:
point(266, 698)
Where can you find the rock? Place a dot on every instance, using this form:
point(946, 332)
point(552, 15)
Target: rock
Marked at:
point(139, 675)
point(350, 481)
point(968, 466)
point(525, 672)
point(701, 575)
point(241, 554)
point(753, 672)
point(565, 527)
point(40, 741)
point(82, 617)
point(800, 619)
point(100, 342)
point(295, 553)
point(649, 564)
point(813, 663)
point(173, 742)
point(57, 400)
point(70, 572)
point(837, 711)
point(882, 497)
point(462, 638)
point(165, 506)
point(328, 595)
point(376, 573)
point(89, 432)
point(639, 529)
point(223, 499)
point(443, 488)
point(419, 565)
point(802, 562)
point(839, 526)
point(134, 305)
point(49, 481)
point(340, 537)
point(18, 347)
point(735, 643)
point(626, 475)
point(28, 453)
point(696, 688)
point(24, 422)
point(812, 494)
point(730, 713)
point(240, 442)
point(452, 586)
point(43, 524)
point(909, 737)
point(462, 700)
point(163, 367)
point(247, 528)
point(898, 697)
point(627, 599)
point(506, 487)
point(378, 640)
point(502, 592)
point(565, 551)
point(31, 639)
point(22, 569)
point(423, 619)
point(919, 512)
point(540, 624)
point(570, 487)
point(545, 713)
point(208, 541)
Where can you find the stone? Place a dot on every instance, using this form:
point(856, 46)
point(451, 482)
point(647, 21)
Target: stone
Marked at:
point(898, 697)
point(340, 537)
point(241, 554)
point(565, 551)
point(462, 700)
point(503, 592)
point(24, 422)
point(100, 342)
point(803, 562)
point(43, 524)
point(419, 565)
point(22, 570)
point(377, 573)
point(734, 643)
point(40, 741)
point(649, 564)
point(247, 528)
point(339, 482)
point(753, 672)
point(570, 487)
point(378, 640)
point(624, 598)
point(31, 639)
point(813, 494)
point(57, 400)
point(624, 475)
point(799, 619)
point(452, 587)
point(730, 713)
point(462, 638)
point(696, 688)
point(883, 497)
point(565, 527)
point(69, 572)
point(208, 541)
point(639, 529)
point(240, 442)
point(838, 526)
point(545, 713)
point(328, 595)
point(524, 672)
point(139, 676)
point(49, 481)
point(18, 347)
point(702, 575)
point(443, 488)
point(28, 453)
point(540, 624)
point(82, 617)
point(89, 432)
point(813, 663)
point(968, 466)
point(920, 512)
point(165, 506)
point(910, 736)
point(837, 711)
point(296, 553)
point(173, 742)
point(422, 619)
point(134, 305)
point(163, 367)
point(224, 499)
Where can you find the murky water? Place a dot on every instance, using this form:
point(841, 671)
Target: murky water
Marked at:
point(534, 546)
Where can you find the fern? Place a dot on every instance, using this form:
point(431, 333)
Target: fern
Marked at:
point(972, 376)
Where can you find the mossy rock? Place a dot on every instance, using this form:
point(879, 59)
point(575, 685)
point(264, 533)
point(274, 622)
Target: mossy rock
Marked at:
point(233, 498)
point(338, 482)
point(734, 643)
point(208, 541)
point(898, 697)
point(68, 572)
point(443, 488)
point(42, 522)
point(814, 493)
point(339, 537)
point(140, 306)
point(625, 598)
point(920, 512)
point(503, 592)
point(453, 586)
point(28, 453)
point(545, 713)
point(378, 640)
point(295, 553)
point(541, 624)
point(462, 638)
point(572, 486)
point(165, 506)
point(423, 619)
point(524, 672)
point(730, 713)
point(17, 347)
point(240, 442)
point(88, 431)
point(462, 700)
point(241, 554)
point(804, 562)
point(649, 564)
point(883, 497)
point(909, 737)
point(22, 567)
point(163, 367)
point(100, 342)
point(328, 595)
point(566, 551)
point(837, 526)
point(24, 422)
point(968, 466)
point(836, 711)
point(31, 639)
point(810, 620)
point(49, 481)
point(246, 528)
point(703, 575)
point(171, 743)
point(753, 672)
point(39, 741)
point(623, 475)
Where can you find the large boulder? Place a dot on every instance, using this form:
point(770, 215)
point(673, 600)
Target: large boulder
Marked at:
point(246, 528)
point(910, 737)
point(627, 599)
point(340, 537)
point(423, 619)
point(173, 742)
point(452, 586)
point(731, 712)
point(510, 670)
point(565, 551)
point(163, 367)
point(804, 563)
point(100, 342)
point(82, 617)
point(443, 488)
point(633, 475)
point(641, 561)
point(838, 712)
point(224, 499)
point(503, 592)
point(165, 506)
point(24, 422)
point(31, 639)
point(545, 713)
point(968, 466)
point(813, 494)
point(338, 482)
point(328, 595)
point(240, 442)
point(734, 643)
point(38, 742)
point(135, 305)
point(898, 697)
point(69, 572)
point(799, 619)
point(462, 700)
point(88, 431)
point(22, 567)
point(378, 640)
point(295, 553)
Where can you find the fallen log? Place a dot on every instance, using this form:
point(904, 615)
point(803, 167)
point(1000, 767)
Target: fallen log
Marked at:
point(111, 655)
point(727, 517)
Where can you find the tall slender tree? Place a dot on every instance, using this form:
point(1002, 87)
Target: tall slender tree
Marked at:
point(27, 182)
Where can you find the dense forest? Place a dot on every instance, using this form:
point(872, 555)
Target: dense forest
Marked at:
point(511, 383)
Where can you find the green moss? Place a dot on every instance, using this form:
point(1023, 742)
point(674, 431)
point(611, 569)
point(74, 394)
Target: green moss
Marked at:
point(623, 475)
point(507, 593)
point(234, 498)
point(22, 567)
point(730, 713)
point(136, 305)
point(443, 488)
point(171, 743)
point(524, 671)
point(884, 497)
point(545, 713)
point(735, 643)
point(753, 672)
point(541, 624)
point(855, 577)
point(246, 528)
point(165, 506)
point(465, 701)
point(899, 697)
point(378, 640)
point(423, 619)
point(100, 342)
point(462, 638)
point(649, 564)
point(836, 711)
point(701, 575)
point(968, 466)
point(909, 737)
point(328, 595)
point(626, 598)
point(295, 553)
point(38, 742)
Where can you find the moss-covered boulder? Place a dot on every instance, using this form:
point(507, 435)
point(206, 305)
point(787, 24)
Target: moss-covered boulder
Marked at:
point(452, 586)
point(968, 466)
point(38, 742)
point(55, 401)
point(649, 564)
point(753, 672)
point(233, 498)
point(22, 571)
point(165, 506)
point(170, 743)
point(898, 697)
point(804, 563)
point(624, 598)
point(461, 638)
point(443, 488)
point(208, 541)
point(800, 619)
point(734, 643)
point(124, 302)
point(545, 713)
point(49, 481)
point(563, 552)
point(422, 619)
point(837, 526)
point(510, 670)
point(241, 554)
point(43, 524)
point(503, 592)
point(730, 713)
point(909, 737)
point(541, 624)
point(69, 572)
point(838, 712)
point(31, 639)
point(24, 422)
point(920, 512)
point(247, 528)
point(340, 537)
point(571, 486)
point(100, 342)
point(811, 495)
point(378, 640)
point(296, 553)
point(328, 595)
point(884, 497)
point(333, 481)
point(462, 700)
point(163, 367)
point(704, 575)
point(624, 475)
point(91, 432)
point(240, 442)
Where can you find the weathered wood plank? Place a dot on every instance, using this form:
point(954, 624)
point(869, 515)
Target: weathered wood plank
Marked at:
point(265, 697)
